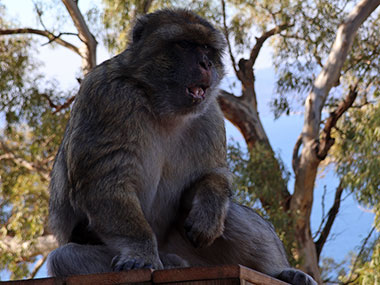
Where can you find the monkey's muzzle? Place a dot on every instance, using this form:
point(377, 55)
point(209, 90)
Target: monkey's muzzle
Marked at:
point(197, 93)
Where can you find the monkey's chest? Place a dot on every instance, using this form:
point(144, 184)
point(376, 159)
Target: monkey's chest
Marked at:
point(180, 160)
point(178, 174)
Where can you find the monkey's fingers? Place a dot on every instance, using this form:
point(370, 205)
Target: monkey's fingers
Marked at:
point(129, 264)
point(198, 238)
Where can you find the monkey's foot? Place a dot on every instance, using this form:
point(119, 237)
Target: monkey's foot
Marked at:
point(122, 263)
point(296, 277)
point(171, 260)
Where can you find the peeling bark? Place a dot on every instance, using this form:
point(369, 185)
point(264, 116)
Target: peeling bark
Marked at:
point(308, 162)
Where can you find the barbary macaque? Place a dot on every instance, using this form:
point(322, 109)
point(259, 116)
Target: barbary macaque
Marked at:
point(141, 178)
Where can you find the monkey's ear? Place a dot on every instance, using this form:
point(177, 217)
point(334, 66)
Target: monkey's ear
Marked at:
point(138, 29)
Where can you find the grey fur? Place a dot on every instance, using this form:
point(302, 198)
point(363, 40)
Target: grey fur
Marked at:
point(140, 179)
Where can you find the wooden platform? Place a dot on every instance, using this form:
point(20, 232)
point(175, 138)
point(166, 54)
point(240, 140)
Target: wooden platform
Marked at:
point(220, 275)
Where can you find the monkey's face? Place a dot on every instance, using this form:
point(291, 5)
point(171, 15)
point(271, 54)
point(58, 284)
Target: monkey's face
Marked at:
point(180, 60)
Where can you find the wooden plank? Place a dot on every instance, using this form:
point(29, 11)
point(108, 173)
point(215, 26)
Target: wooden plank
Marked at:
point(227, 281)
point(195, 273)
point(258, 278)
point(141, 276)
point(39, 281)
point(214, 273)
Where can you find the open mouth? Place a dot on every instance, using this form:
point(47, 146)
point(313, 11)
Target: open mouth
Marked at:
point(196, 92)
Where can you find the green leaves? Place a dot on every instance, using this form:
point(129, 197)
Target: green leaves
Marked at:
point(357, 153)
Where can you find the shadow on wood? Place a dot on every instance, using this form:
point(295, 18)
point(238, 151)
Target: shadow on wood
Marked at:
point(218, 275)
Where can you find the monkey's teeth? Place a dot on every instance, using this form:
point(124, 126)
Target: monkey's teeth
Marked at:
point(196, 92)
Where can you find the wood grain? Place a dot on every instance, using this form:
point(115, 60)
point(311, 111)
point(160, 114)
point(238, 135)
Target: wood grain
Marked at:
point(231, 272)
point(128, 277)
point(215, 275)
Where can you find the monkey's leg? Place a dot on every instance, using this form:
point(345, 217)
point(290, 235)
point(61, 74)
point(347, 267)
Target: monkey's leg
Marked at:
point(73, 258)
point(248, 240)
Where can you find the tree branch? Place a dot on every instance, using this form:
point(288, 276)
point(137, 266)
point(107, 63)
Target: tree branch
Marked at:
point(38, 266)
point(239, 113)
point(333, 212)
point(89, 53)
point(309, 161)
point(47, 34)
point(330, 73)
point(64, 105)
point(59, 107)
point(353, 268)
point(260, 41)
point(245, 72)
point(51, 103)
point(227, 36)
point(326, 141)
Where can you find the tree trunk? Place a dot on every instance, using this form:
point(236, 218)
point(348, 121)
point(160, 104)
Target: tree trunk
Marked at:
point(308, 162)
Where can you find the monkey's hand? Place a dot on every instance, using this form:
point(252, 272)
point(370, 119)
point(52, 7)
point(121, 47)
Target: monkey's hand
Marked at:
point(124, 262)
point(204, 225)
point(208, 209)
point(205, 221)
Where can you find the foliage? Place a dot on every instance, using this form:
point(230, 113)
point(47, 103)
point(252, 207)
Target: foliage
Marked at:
point(331, 270)
point(29, 140)
point(29, 143)
point(119, 16)
point(369, 273)
point(359, 136)
point(301, 50)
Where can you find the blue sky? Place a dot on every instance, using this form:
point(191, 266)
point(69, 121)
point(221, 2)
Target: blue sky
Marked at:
point(352, 224)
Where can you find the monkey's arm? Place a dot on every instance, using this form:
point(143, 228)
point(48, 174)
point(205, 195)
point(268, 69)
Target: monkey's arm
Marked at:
point(205, 221)
point(104, 152)
point(110, 201)
point(120, 222)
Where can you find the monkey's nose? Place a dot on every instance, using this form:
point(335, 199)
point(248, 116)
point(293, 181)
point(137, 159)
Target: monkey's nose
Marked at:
point(205, 63)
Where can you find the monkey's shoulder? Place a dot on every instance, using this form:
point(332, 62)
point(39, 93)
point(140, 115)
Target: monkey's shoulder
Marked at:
point(109, 99)
point(111, 83)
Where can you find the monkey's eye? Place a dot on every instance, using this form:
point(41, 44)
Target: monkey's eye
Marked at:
point(185, 44)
